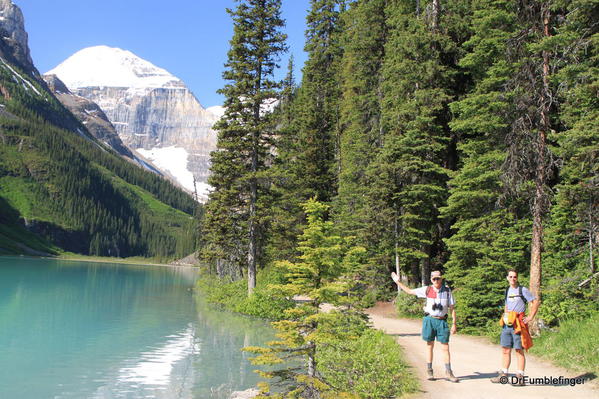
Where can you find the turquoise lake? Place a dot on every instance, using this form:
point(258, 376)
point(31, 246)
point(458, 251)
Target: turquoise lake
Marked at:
point(101, 330)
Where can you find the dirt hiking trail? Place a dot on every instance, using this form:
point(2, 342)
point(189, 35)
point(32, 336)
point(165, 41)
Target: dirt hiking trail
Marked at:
point(474, 362)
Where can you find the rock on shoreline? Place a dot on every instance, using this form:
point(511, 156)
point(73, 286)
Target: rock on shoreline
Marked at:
point(247, 394)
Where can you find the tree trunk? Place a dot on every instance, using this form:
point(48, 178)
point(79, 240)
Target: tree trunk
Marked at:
point(426, 265)
point(591, 255)
point(435, 15)
point(396, 239)
point(311, 363)
point(252, 223)
point(252, 250)
point(592, 234)
point(538, 210)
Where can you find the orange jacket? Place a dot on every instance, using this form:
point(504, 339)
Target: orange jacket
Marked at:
point(520, 327)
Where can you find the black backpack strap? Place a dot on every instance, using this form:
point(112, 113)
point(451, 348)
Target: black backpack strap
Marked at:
point(506, 291)
point(521, 295)
point(446, 288)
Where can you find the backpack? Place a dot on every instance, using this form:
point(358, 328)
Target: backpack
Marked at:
point(443, 288)
point(519, 294)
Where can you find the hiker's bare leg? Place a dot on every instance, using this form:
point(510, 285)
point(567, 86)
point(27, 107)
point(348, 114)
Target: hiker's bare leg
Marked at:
point(429, 356)
point(521, 359)
point(507, 357)
point(446, 355)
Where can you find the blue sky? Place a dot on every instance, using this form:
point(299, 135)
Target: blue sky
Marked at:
point(189, 38)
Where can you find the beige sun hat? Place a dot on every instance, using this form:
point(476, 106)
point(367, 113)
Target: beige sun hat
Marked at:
point(436, 273)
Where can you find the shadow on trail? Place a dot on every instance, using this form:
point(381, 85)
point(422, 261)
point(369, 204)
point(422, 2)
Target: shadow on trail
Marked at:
point(405, 335)
point(477, 376)
point(587, 376)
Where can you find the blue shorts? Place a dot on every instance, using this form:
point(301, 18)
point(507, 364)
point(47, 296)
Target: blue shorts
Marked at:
point(509, 339)
point(432, 328)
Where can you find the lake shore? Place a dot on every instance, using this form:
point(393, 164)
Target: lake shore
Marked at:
point(102, 259)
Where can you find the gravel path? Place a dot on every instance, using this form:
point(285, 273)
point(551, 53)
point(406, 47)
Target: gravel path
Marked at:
point(474, 361)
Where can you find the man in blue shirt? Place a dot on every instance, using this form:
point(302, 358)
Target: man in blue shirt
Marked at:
point(439, 301)
point(516, 299)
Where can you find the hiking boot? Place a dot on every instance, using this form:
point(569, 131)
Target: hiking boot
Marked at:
point(451, 377)
point(429, 374)
point(501, 378)
point(518, 381)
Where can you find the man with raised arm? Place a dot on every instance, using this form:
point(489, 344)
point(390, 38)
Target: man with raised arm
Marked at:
point(439, 301)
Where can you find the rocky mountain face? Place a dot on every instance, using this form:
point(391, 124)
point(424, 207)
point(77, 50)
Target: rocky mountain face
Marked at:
point(15, 61)
point(90, 114)
point(14, 46)
point(149, 108)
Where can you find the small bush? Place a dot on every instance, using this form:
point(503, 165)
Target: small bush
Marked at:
point(233, 295)
point(563, 299)
point(368, 299)
point(409, 305)
point(370, 366)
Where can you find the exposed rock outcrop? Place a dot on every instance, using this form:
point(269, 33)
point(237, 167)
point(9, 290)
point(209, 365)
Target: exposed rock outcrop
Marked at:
point(247, 394)
point(89, 114)
point(14, 36)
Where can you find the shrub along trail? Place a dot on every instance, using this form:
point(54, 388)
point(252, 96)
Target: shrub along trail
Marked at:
point(474, 362)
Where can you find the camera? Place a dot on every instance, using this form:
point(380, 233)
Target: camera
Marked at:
point(437, 306)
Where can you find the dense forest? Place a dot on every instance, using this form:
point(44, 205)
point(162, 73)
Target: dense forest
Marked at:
point(60, 189)
point(459, 136)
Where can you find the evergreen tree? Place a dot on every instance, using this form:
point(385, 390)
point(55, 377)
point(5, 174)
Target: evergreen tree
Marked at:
point(316, 104)
point(307, 147)
point(361, 131)
point(573, 231)
point(286, 212)
point(323, 273)
point(235, 210)
point(482, 120)
point(417, 87)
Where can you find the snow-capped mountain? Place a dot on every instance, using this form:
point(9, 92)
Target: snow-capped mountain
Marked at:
point(112, 67)
point(152, 110)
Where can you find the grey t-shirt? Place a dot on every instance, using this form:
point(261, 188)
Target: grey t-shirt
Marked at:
point(514, 302)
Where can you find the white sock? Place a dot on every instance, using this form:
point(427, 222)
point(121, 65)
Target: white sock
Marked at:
point(504, 371)
point(521, 372)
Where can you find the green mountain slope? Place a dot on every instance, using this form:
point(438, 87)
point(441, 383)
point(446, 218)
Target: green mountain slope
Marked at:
point(60, 189)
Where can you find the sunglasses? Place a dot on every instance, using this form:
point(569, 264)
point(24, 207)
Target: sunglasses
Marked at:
point(512, 276)
point(436, 278)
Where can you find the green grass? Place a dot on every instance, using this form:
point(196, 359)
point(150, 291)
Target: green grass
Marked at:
point(371, 366)
point(13, 237)
point(153, 204)
point(19, 193)
point(134, 260)
point(575, 345)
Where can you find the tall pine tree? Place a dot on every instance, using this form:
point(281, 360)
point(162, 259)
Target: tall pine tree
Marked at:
point(317, 104)
point(361, 134)
point(235, 212)
point(307, 152)
point(417, 85)
point(570, 267)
